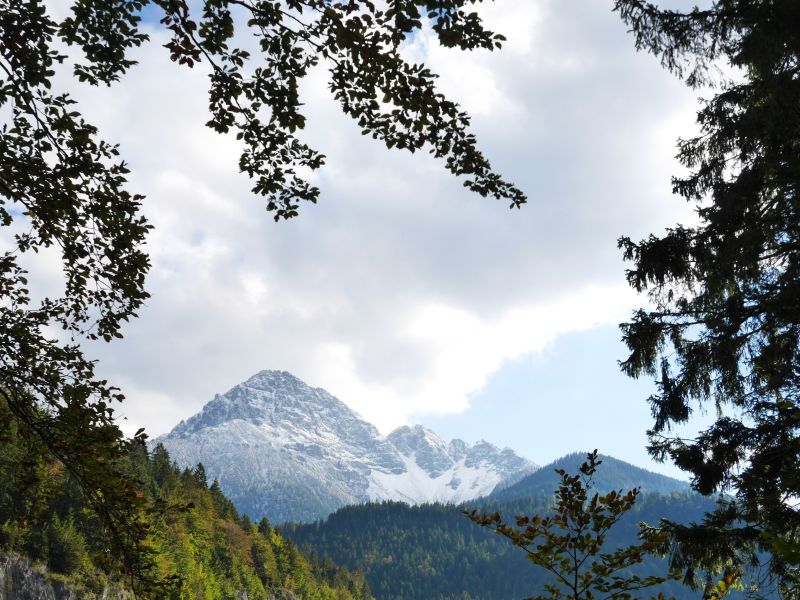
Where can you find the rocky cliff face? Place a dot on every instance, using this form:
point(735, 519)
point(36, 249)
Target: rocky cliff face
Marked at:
point(22, 580)
point(19, 580)
point(284, 450)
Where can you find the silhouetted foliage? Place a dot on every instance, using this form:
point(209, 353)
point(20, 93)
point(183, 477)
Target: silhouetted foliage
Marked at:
point(724, 329)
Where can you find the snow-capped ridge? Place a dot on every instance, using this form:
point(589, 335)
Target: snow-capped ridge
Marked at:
point(285, 450)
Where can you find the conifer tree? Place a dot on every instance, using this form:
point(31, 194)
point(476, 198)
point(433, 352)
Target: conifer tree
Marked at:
point(723, 332)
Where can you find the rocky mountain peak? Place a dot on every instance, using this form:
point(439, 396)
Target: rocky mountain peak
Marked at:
point(409, 439)
point(283, 449)
point(277, 398)
point(457, 449)
point(282, 386)
point(428, 449)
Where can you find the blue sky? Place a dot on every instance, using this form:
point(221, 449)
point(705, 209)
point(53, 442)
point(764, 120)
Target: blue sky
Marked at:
point(582, 401)
point(406, 296)
point(151, 14)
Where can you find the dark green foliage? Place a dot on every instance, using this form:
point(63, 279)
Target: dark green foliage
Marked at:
point(66, 550)
point(432, 552)
point(569, 541)
point(358, 42)
point(199, 475)
point(425, 552)
point(724, 329)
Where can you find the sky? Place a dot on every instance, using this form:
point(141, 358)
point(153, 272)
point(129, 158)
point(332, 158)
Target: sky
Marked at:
point(403, 294)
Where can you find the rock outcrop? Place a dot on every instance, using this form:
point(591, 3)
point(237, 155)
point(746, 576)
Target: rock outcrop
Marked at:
point(20, 579)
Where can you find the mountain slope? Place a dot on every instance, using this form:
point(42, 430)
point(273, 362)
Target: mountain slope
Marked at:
point(433, 552)
point(613, 474)
point(284, 450)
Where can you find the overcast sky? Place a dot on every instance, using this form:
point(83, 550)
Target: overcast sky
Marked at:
point(403, 294)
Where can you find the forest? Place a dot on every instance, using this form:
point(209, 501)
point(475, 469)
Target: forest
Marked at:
point(434, 552)
point(198, 546)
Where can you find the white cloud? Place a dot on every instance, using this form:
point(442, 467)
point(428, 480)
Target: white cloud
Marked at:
point(400, 292)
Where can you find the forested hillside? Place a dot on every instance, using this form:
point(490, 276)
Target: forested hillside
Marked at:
point(202, 541)
point(434, 552)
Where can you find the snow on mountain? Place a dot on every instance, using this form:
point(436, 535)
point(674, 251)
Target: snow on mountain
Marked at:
point(284, 450)
point(445, 472)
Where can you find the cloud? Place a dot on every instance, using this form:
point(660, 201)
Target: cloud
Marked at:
point(400, 292)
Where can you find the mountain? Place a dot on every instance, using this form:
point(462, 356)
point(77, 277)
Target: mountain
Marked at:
point(613, 474)
point(284, 450)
